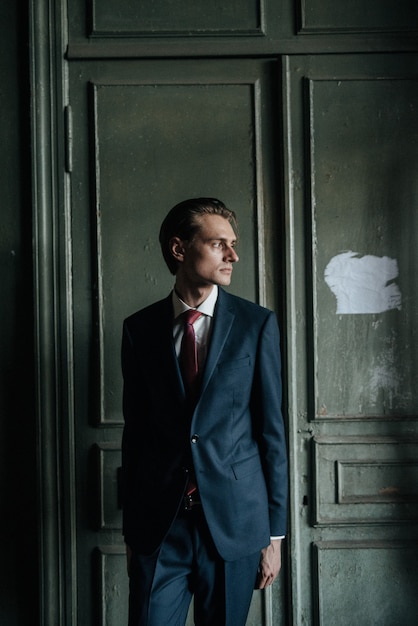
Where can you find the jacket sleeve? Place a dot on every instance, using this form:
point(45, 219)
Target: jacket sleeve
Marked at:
point(268, 423)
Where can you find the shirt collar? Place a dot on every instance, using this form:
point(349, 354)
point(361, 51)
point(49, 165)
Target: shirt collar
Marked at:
point(207, 307)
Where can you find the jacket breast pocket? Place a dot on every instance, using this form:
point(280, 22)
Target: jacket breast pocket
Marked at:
point(246, 467)
point(235, 376)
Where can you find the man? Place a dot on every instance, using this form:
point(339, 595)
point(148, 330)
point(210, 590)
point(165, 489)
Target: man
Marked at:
point(203, 452)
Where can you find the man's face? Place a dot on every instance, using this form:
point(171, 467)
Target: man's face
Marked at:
point(209, 257)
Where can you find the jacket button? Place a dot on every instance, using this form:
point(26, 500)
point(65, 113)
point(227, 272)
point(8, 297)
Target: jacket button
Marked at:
point(195, 438)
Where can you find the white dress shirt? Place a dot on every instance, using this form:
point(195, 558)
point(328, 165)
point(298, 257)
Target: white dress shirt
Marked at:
point(202, 326)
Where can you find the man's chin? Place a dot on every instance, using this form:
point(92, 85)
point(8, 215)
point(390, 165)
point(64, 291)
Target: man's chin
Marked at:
point(224, 281)
point(225, 278)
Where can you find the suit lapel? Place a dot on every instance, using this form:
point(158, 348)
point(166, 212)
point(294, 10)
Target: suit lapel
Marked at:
point(223, 319)
point(168, 362)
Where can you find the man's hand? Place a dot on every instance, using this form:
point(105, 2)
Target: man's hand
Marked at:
point(270, 563)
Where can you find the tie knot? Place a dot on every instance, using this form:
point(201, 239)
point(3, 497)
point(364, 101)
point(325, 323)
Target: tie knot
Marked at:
point(191, 315)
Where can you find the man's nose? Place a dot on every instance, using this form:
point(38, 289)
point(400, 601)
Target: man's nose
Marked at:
point(231, 255)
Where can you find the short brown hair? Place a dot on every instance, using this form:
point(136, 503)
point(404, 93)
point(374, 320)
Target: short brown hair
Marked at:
point(182, 222)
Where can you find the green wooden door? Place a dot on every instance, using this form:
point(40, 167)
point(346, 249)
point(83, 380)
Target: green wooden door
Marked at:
point(148, 134)
point(351, 160)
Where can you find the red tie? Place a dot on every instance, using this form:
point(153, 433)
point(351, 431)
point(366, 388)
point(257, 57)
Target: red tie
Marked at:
point(188, 354)
point(190, 370)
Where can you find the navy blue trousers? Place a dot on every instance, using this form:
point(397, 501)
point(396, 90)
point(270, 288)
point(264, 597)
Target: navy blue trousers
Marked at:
point(187, 564)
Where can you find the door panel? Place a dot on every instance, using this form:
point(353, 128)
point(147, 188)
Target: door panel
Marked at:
point(106, 26)
point(351, 162)
point(151, 148)
point(363, 480)
point(349, 16)
point(371, 570)
point(363, 143)
point(166, 16)
point(149, 135)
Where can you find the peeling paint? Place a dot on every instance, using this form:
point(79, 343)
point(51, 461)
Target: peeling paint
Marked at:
point(363, 284)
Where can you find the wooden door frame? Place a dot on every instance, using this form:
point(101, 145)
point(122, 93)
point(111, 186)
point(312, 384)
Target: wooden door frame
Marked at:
point(52, 307)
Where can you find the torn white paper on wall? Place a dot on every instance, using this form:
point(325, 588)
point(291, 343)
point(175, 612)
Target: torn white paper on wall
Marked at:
point(363, 284)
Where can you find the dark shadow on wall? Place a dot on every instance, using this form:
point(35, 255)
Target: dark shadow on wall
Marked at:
point(18, 518)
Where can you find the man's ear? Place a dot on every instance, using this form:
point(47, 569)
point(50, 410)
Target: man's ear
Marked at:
point(177, 249)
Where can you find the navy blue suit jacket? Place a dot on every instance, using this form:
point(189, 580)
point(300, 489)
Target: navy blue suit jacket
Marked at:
point(239, 451)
